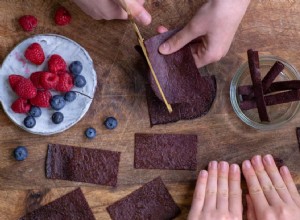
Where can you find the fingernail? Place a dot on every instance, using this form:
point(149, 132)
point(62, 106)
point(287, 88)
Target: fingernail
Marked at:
point(164, 48)
point(203, 173)
point(234, 168)
point(214, 165)
point(257, 159)
point(223, 166)
point(247, 164)
point(284, 169)
point(268, 159)
point(144, 18)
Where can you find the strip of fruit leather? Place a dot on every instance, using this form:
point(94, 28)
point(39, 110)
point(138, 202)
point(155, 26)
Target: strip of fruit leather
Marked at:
point(253, 61)
point(152, 202)
point(177, 73)
point(82, 164)
point(70, 206)
point(165, 151)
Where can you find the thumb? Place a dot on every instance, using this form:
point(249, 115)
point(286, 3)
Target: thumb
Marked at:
point(250, 209)
point(179, 40)
point(137, 10)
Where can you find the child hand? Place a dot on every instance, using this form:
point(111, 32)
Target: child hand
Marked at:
point(218, 193)
point(112, 9)
point(272, 193)
point(211, 31)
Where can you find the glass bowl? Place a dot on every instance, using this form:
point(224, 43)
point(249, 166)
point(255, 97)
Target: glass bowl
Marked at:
point(278, 114)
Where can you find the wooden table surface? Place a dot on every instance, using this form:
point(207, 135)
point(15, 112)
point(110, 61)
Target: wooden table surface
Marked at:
point(272, 27)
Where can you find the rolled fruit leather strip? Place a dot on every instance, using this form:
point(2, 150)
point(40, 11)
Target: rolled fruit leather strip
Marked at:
point(253, 61)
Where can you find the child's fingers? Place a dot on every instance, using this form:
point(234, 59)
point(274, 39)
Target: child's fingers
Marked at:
point(162, 29)
point(276, 178)
point(211, 187)
point(289, 182)
point(199, 195)
point(222, 191)
point(258, 198)
point(265, 182)
point(250, 209)
point(235, 191)
point(139, 13)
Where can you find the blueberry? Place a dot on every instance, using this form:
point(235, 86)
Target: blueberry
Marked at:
point(75, 67)
point(35, 111)
point(57, 102)
point(110, 123)
point(57, 117)
point(70, 96)
point(79, 81)
point(90, 133)
point(29, 122)
point(20, 153)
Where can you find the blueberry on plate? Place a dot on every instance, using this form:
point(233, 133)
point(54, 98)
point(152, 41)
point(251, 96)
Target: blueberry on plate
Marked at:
point(70, 96)
point(29, 122)
point(110, 123)
point(57, 102)
point(90, 133)
point(79, 81)
point(75, 67)
point(20, 153)
point(57, 117)
point(35, 111)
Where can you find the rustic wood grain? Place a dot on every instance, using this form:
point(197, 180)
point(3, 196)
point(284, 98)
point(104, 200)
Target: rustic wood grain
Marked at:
point(271, 27)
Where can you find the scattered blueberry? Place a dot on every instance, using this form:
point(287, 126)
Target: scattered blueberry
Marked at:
point(35, 111)
point(29, 122)
point(79, 81)
point(57, 102)
point(57, 117)
point(90, 133)
point(20, 153)
point(75, 67)
point(110, 123)
point(70, 96)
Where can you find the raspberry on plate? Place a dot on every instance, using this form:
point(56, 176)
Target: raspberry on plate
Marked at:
point(35, 54)
point(28, 22)
point(65, 82)
point(48, 80)
point(14, 79)
point(62, 16)
point(42, 99)
point(35, 79)
point(56, 63)
point(20, 106)
point(25, 89)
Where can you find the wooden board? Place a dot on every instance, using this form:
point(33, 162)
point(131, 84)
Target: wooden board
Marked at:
point(271, 27)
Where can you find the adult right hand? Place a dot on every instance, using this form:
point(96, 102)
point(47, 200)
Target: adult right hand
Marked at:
point(272, 193)
point(113, 9)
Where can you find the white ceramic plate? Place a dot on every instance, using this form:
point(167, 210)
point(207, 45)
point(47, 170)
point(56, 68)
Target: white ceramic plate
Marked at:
point(16, 63)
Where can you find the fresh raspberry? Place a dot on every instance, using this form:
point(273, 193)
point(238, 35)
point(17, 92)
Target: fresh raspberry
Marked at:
point(28, 22)
point(65, 83)
point(25, 89)
point(42, 99)
point(48, 80)
point(35, 54)
point(56, 63)
point(62, 16)
point(21, 106)
point(14, 79)
point(35, 79)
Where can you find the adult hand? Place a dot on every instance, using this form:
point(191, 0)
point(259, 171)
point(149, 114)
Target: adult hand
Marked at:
point(272, 193)
point(218, 193)
point(211, 30)
point(112, 9)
